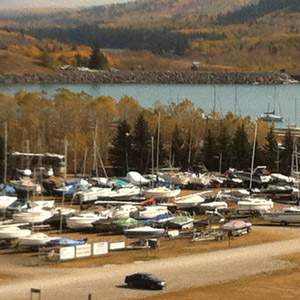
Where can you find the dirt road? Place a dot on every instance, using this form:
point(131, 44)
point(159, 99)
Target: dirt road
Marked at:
point(106, 282)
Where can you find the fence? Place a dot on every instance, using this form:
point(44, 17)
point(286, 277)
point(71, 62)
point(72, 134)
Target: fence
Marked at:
point(60, 253)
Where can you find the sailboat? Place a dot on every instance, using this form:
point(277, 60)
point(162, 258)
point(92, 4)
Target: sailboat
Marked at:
point(270, 116)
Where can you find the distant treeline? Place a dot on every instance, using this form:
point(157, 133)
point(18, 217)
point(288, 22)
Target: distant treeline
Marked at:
point(159, 41)
point(255, 11)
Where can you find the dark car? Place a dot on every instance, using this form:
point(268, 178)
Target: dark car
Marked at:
point(145, 281)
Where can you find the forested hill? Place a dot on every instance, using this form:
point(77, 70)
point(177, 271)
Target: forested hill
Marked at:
point(255, 11)
point(145, 13)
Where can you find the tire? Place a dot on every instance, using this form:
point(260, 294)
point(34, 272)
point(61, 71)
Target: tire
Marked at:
point(130, 284)
point(153, 287)
point(283, 223)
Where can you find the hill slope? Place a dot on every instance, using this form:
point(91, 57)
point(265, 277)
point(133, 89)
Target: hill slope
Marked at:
point(258, 10)
point(17, 63)
point(140, 12)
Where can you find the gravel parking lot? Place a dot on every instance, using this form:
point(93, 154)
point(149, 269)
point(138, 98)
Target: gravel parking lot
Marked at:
point(107, 282)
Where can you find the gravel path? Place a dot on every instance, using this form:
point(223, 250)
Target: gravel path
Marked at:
point(106, 282)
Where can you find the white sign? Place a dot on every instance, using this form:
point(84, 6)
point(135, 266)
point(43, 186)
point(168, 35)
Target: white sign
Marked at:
point(83, 250)
point(116, 245)
point(67, 253)
point(100, 248)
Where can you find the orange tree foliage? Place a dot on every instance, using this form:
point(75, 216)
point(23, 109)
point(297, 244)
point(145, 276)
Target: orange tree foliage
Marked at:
point(43, 123)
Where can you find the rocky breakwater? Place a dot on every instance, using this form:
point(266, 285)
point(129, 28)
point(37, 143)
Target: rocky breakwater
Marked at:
point(150, 77)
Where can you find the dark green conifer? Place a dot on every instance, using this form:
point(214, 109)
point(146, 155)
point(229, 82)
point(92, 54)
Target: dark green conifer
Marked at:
point(141, 145)
point(210, 152)
point(270, 150)
point(97, 60)
point(241, 149)
point(121, 151)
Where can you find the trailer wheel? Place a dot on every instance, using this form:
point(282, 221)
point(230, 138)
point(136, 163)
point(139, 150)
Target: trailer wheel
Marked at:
point(283, 223)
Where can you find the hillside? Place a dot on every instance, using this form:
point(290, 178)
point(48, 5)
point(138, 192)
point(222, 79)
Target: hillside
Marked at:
point(258, 10)
point(226, 35)
point(16, 63)
point(146, 13)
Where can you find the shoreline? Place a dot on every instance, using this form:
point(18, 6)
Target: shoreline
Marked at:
point(150, 77)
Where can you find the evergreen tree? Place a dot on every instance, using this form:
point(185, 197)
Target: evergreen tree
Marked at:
point(286, 153)
point(97, 60)
point(177, 148)
point(210, 152)
point(241, 149)
point(163, 155)
point(270, 150)
point(141, 145)
point(121, 151)
point(2, 154)
point(81, 61)
point(224, 145)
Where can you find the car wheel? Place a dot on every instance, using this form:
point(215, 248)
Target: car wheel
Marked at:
point(153, 287)
point(283, 223)
point(130, 284)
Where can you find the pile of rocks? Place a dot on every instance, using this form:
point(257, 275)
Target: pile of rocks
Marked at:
point(150, 77)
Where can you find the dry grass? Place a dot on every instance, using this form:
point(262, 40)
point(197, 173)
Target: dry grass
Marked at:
point(267, 286)
point(6, 277)
point(173, 248)
point(15, 63)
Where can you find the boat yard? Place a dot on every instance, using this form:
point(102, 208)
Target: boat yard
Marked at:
point(171, 255)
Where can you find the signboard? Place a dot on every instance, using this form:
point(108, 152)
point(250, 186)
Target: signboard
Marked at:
point(83, 250)
point(116, 245)
point(100, 248)
point(67, 253)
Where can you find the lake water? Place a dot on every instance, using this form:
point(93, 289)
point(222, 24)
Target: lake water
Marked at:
point(251, 100)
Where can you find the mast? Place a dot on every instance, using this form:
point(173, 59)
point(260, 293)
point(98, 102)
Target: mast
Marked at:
point(95, 168)
point(215, 99)
point(5, 153)
point(65, 179)
point(157, 150)
point(253, 154)
point(190, 143)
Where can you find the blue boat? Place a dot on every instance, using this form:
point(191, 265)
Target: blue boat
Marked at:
point(66, 242)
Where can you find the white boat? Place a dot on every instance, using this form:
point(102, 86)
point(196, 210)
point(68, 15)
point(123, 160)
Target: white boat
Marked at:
point(270, 117)
point(214, 205)
point(83, 220)
point(24, 184)
point(149, 212)
point(41, 204)
point(181, 220)
point(189, 201)
point(36, 240)
point(144, 232)
point(88, 195)
point(162, 193)
point(13, 232)
point(33, 216)
point(123, 211)
point(252, 204)
point(5, 201)
point(181, 178)
point(125, 193)
point(136, 178)
point(285, 216)
point(200, 179)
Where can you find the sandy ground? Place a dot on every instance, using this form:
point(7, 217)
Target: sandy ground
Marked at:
point(181, 273)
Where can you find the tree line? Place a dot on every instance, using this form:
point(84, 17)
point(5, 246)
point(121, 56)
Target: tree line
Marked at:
point(158, 41)
point(254, 11)
point(129, 136)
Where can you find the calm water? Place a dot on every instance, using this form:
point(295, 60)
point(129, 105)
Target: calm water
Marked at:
point(252, 100)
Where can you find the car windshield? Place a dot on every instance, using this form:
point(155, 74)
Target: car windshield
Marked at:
point(152, 277)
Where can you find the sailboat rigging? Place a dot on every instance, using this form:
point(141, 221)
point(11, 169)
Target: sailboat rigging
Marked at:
point(269, 115)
